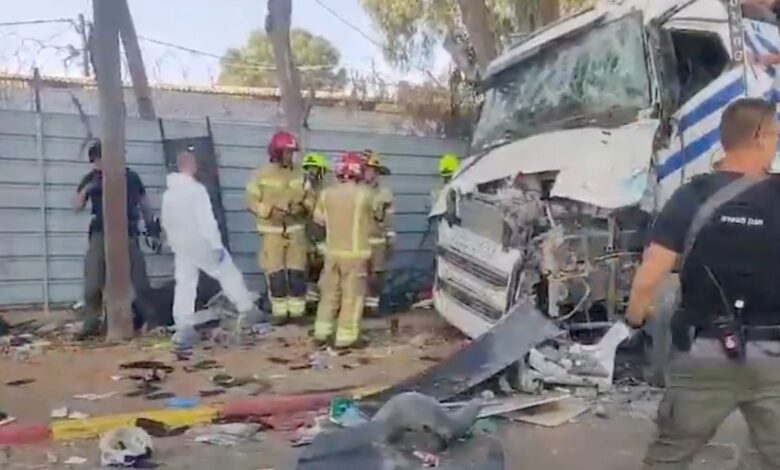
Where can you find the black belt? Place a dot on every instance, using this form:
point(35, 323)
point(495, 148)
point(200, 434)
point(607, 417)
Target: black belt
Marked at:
point(752, 333)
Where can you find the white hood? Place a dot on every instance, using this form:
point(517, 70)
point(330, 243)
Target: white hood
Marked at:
point(187, 216)
point(608, 168)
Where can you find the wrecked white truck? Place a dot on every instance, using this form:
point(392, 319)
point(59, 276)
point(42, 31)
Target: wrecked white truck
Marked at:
point(587, 128)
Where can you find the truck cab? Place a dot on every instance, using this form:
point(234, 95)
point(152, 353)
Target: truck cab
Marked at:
point(587, 128)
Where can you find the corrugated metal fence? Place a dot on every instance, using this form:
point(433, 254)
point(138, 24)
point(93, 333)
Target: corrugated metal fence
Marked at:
point(42, 159)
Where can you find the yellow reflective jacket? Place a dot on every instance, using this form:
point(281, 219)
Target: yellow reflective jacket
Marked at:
point(346, 211)
point(276, 196)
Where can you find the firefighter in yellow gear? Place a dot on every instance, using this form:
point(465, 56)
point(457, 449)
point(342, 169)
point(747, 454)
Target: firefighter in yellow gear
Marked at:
point(316, 169)
point(276, 195)
point(449, 164)
point(382, 234)
point(346, 212)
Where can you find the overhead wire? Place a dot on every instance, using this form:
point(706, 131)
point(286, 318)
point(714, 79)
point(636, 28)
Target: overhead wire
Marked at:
point(370, 39)
point(35, 22)
point(246, 63)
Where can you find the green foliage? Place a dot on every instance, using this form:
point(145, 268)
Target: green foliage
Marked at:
point(413, 28)
point(316, 57)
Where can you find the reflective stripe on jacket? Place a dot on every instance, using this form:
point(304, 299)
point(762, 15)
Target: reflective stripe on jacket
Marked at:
point(274, 186)
point(346, 211)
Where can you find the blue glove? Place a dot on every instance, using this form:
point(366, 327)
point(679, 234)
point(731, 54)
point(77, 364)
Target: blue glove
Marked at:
point(220, 255)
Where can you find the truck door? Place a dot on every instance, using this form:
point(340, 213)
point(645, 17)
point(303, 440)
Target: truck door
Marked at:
point(707, 83)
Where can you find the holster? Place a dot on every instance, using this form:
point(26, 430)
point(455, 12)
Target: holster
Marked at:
point(728, 332)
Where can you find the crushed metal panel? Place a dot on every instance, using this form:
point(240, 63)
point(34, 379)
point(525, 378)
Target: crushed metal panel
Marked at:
point(509, 341)
point(607, 168)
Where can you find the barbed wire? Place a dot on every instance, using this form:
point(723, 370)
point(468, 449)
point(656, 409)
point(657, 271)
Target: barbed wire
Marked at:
point(25, 45)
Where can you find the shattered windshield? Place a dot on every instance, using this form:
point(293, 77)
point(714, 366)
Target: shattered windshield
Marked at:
point(600, 74)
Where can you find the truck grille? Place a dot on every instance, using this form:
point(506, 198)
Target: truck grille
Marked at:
point(490, 276)
point(469, 300)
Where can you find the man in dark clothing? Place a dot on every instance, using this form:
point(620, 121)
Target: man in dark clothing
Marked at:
point(91, 189)
point(722, 229)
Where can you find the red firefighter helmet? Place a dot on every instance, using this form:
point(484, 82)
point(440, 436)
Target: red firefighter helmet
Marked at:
point(280, 142)
point(351, 165)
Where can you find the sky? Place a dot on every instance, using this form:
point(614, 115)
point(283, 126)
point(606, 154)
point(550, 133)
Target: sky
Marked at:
point(208, 25)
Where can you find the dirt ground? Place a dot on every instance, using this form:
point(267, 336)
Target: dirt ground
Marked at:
point(614, 441)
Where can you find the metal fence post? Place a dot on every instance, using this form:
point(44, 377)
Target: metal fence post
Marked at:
point(40, 150)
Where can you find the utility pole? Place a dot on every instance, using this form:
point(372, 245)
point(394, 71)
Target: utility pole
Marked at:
point(112, 126)
point(135, 62)
point(82, 30)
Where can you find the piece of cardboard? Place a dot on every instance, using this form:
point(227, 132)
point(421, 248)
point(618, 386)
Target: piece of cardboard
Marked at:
point(521, 402)
point(552, 414)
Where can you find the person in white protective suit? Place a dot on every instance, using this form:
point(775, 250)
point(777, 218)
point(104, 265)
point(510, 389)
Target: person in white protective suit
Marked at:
point(195, 239)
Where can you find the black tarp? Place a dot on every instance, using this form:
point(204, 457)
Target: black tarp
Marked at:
point(477, 453)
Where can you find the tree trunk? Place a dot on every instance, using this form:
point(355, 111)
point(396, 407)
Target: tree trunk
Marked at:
point(475, 18)
point(277, 25)
point(459, 53)
point(112, 125)
point(549, 11)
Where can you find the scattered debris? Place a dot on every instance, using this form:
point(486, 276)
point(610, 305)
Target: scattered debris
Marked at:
point(344, 413)
point(553, 414)
point(20, 382)
point(158, 428)
point(94, 396)
point(430, 358)
point(5, 419)
point(226, 435)
point(182, 402)
point(142, 389)
point(306, 434)
point(159, 396)
point(279, 360)
point(228, 381)
point(206, 364)
point(125, 446)
point(64, 412)
point(317, 362)
point(152, 365)
point(427, 459)
point(261, 329)
point(601, 412)
point(59, 413)
point(211, 393)
point(75, 460)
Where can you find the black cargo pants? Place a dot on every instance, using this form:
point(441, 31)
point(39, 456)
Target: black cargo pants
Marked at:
point(95, 279)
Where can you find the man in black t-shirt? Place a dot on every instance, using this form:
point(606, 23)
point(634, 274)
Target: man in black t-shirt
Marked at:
point(91, 189)
point(725, 334)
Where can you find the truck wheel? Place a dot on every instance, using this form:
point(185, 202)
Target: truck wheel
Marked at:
point(658, 335)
